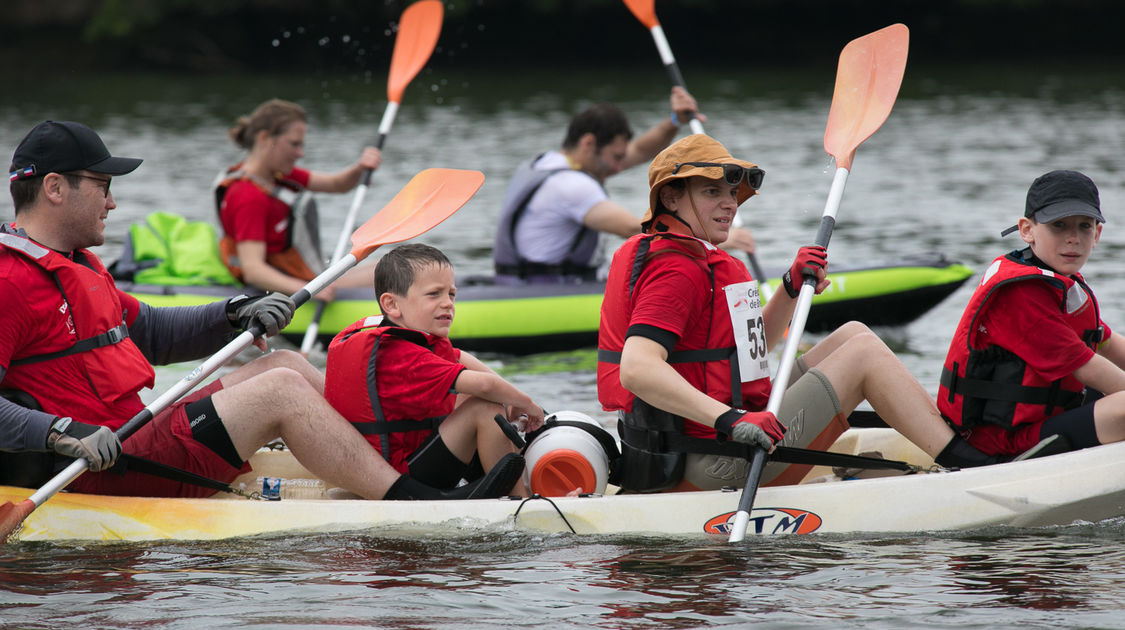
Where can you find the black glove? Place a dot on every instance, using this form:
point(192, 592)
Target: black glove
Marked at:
point(98, 445)
point(273, 311)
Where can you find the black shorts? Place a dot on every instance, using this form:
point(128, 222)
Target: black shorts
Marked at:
point(433, 464)
point(1076, 425)
point(208, 429)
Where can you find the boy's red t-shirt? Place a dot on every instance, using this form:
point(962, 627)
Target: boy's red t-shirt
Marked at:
point(1024, 318)
point(413, 382)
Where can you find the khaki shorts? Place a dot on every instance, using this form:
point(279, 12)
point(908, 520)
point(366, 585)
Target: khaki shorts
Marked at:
point(812, 417)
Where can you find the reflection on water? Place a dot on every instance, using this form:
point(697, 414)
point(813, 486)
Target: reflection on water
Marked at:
point(412, 579)
point(946, 173)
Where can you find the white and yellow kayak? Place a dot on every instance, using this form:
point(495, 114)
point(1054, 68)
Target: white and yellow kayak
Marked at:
point(1087, 485)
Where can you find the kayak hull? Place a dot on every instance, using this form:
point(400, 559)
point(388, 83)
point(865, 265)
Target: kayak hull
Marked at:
point(1087, 485)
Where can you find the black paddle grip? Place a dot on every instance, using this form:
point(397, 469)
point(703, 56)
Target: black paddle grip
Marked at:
point(674, 74)
point(824, 234)
point(510, 431)
point(753, 478)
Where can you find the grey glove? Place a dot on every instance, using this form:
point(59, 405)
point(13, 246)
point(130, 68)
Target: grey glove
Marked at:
point(98, 445)
point(758, 428)
point(751, 434)
point(273, 311)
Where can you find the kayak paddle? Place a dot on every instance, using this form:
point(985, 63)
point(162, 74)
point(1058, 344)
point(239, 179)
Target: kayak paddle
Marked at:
point(418, 32)
point(867, 81)
point(429, 198)
point(645, 12)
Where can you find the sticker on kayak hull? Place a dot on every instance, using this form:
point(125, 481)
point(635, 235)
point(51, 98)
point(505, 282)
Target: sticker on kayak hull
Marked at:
point(767, 521)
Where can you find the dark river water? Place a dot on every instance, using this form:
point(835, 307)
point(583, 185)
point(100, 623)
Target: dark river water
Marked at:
point(948, 171)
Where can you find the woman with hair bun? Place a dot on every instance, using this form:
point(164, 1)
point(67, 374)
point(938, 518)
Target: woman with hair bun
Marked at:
point(265, 207)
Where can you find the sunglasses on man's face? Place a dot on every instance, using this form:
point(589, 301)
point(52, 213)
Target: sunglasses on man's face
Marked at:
point(732, 173)
point(103, 182)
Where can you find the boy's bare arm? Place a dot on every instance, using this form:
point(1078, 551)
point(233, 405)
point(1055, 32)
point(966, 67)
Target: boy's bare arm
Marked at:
point(1104, 371)
point(1114, 350)
point(474, 363)
point(487, 385)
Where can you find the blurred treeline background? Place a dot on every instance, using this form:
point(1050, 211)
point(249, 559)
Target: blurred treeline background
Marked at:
point(42, 38)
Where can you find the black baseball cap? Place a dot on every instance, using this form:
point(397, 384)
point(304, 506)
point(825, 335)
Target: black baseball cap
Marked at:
point(63, 147)
point(1061, 194)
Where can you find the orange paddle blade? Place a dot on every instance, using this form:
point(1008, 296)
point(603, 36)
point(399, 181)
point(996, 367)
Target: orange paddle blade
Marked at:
point(867, 83)
point(645, 10)
point(431, 197)
point(418, 31)
point(12, 516)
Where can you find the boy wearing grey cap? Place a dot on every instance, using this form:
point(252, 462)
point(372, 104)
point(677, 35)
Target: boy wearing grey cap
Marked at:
point(1031, 353)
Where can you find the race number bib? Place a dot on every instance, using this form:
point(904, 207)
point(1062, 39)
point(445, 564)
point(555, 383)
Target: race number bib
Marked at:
point(744, 302)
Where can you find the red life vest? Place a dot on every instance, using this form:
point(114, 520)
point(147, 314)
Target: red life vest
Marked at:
point(349, 386)
point(653, 441)
point(720, 377)
point(991, 385)
point(301, 257)
point(98, 353)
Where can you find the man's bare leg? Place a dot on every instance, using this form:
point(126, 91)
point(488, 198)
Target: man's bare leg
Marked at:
point(257, 406)
point(275, 359)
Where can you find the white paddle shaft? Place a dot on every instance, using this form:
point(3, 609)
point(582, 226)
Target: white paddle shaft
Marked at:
point(788, 355)
point(187, 383)
point(385, 125)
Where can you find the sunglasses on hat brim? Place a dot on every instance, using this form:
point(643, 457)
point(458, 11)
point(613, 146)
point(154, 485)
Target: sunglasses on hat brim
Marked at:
point(733, 174)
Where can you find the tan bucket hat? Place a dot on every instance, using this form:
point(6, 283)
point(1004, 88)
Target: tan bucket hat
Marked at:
point(694, 148)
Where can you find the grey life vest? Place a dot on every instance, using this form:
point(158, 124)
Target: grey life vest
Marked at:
point(506, 252)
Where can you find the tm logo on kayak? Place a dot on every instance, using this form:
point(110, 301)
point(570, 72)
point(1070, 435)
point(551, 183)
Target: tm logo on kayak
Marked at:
point(767, 521)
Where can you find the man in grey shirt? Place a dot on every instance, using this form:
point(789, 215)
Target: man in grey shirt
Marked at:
point(556, 205)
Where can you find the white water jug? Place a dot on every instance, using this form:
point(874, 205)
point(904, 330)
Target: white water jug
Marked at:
point(565, 458)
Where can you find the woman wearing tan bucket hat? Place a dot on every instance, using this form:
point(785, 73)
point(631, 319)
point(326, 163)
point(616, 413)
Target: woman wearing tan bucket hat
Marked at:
point(682, 322)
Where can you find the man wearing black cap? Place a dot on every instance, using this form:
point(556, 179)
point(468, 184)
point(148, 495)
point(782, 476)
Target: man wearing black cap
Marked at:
point(75, 351)
point(1031, 352)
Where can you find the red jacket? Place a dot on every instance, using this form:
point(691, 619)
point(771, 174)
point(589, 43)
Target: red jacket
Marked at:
point(991, 385)
point(718, 378)
point(352, 387)
point(84, 364)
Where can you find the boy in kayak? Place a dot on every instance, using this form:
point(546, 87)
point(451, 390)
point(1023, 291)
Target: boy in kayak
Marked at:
point(428, 408)
point(75, 351)
point(556, 205)
point(1031, 353)
point(684, 338)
